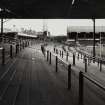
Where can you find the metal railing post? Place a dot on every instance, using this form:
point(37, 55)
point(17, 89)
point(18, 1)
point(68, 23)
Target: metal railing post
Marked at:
point(50, 59)
point(69, 76)
point(67, 56)
point(100, 65)
point(3, 56)
point(73, 59)
point(81, 55)
point(17, 49)
point(62, 54)
point(11, 51)
point(47, 55)
point(80, 88)
point(85, 64)
point(54, 49)
point(78, 56)
point(56, 68)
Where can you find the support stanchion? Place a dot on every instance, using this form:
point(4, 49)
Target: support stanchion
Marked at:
point(78, 56)
point(3, 56)
point(100, 65)
point(11, 51)
point(50, 59)
point(81, 55)
point(56, 68)
point(17, 49)
point(47, 55)
point(54, 49)
point(80, 88)
point(85, 64)
point(73, 59)
point(67, 56)
point(69, 76)
point(62, 54)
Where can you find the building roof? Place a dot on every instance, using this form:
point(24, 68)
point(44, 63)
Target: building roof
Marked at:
point(85, 29)
point(26, 35)
point(53, 8)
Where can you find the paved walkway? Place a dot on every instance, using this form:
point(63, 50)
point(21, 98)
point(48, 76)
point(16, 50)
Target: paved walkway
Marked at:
point(34, 81)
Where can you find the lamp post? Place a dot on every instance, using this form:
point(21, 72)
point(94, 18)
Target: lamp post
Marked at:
point(94, 53)
point(1, 10)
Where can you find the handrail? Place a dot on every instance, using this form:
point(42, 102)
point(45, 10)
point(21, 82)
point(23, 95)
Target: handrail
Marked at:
point(56, 66)
point(94, 81)
point(81, 83)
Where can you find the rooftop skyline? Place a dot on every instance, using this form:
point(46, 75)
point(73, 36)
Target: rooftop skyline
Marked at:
point(55, 26)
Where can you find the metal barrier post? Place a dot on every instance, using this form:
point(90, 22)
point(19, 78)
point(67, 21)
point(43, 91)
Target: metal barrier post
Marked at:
point(67, 56)
point(85, 64)
point(73, 59)
point(3, 56)
point(69, 76)
point(50, 59)
point(11, 51)
point(62, 54)
point(56, 64)
point(78, 56)
point(80, 88)
point(54, 49)
point(100, 65)
point(81, 55)
point(17, 48)
point(47, 55)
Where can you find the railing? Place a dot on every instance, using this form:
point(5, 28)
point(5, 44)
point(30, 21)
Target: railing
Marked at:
point(58, 61)
point(81, 76)
point(86, 58)
point(81, 84)
point(10, 50)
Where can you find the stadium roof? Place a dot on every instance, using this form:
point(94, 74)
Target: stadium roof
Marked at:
point(26, 35)
point(85, 29)
point(75, 9)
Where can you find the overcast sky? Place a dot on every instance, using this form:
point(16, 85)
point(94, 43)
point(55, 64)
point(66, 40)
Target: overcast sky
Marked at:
point(55, 26)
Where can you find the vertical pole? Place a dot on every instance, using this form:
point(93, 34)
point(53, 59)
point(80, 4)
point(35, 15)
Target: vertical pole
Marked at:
point(80, 88)
point(78, 56)
point(69, 76)
point(2, 30)
point(85, 64)
point(62, 54)
point(17, 49)
point(81, 55)
point(54, 49)
point(56, 64)
point(50, 58)
point(47, 55)
point(11, 51)
point(94, 54)
point(73, 59)
point(88, 60)
point(67, 56)
point(3, 56)
point(100, 65)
